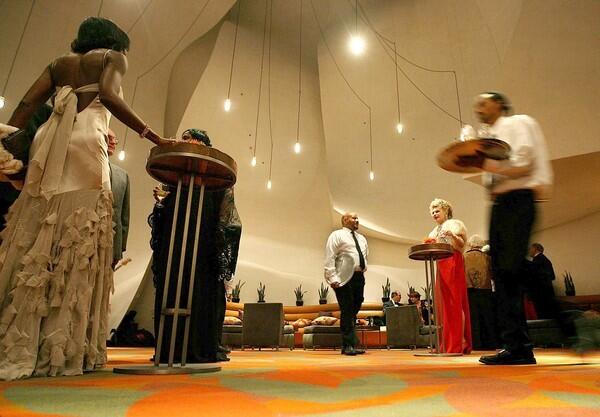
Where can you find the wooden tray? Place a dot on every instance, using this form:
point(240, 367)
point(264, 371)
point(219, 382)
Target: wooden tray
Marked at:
point(491, 148)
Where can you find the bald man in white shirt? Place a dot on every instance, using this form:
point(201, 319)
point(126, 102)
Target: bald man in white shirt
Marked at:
point(348, 291)
point(515, 184)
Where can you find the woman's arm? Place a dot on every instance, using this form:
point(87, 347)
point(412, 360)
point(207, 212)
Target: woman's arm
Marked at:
point(456, 231)
point(115, 68)
point(38, 94)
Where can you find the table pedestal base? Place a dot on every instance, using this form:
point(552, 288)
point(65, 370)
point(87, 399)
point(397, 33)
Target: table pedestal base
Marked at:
point(165, 369)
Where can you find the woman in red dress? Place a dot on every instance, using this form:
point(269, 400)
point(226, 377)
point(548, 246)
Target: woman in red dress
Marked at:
point(451, 289)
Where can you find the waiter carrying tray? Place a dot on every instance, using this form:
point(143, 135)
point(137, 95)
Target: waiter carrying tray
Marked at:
point(345, 263)
point(514, 185)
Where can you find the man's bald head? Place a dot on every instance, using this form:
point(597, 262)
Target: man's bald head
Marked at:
point(350, 220)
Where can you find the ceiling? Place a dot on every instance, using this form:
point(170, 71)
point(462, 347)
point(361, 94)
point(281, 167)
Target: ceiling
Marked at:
point(547, 70)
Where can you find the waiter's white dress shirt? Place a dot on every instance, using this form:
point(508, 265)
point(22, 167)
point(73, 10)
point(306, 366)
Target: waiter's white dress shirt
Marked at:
point(528, 166)
point(341, 242)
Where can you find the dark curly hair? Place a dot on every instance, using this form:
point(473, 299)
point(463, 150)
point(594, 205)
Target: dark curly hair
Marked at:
point(200, 135)
point(97, 32)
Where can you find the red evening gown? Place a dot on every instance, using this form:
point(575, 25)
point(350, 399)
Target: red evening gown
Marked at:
point(453, 305)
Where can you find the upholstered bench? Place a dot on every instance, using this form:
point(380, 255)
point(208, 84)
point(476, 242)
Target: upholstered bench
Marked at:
point(321, 336)
point(318, 336)
point(232, 336)
point(545, 332)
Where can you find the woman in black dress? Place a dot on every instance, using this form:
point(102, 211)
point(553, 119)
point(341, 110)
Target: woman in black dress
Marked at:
point(220, 233)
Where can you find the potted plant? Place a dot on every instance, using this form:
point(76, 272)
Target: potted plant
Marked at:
point(261, 292)
point(235, 292)
point(323, 291)
point(386, 289)
point(569, 285)
point(299, 295)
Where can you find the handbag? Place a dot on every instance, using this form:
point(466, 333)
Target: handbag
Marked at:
point(18, 144)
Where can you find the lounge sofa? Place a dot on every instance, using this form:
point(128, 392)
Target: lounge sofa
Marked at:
point(307, 335)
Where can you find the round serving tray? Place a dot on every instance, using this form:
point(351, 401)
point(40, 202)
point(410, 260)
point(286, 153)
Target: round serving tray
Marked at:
point(212, 168)
point(491, 148)
point(430, 251)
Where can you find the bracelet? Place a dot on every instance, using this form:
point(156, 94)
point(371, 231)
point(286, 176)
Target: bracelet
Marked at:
point(145, 131)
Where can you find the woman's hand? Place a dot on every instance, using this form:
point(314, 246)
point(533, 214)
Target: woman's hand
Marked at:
point(166, 141)
point(455, 240)
point(447, 234)
point(159, 194)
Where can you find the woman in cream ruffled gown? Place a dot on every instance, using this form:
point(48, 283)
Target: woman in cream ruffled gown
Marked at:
point(56, 252)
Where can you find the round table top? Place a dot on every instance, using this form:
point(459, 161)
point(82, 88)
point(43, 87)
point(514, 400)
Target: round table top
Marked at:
point(430, 251)
point(491, 148)
point(211, 167)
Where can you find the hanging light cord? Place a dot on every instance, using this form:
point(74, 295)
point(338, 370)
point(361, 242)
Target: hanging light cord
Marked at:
point(299, 75)
point(100, 7)
point(324, 39)
point(140, 16)
point(161, 59)
point(237, 24)
point(12, 64)
point(386, 42)
point(269, 88)
point(262, 59)
point(397, 84)
point(356, 17)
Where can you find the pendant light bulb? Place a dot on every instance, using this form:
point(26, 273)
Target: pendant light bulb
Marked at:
point(269, 185)
point(253, 163)
point(227, 105)
point(399, 128)
point(357, 44)
point(121, 156)
point(2, 102)
point(297, 147)
point(371, 175)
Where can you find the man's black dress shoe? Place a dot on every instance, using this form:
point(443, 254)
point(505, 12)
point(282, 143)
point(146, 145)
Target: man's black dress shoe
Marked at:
point(507, 357)
point(221, 357)
point(349, 350)
point(359, 351)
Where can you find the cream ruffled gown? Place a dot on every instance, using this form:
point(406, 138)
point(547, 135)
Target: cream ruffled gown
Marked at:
point(56, 252)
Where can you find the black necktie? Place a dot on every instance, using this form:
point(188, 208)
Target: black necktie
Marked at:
point(361, 258)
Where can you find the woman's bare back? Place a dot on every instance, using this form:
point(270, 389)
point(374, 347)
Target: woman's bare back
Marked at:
point(78, 70)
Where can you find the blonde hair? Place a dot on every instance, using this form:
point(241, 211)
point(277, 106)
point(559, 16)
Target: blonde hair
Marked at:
point(475, 241)
point(443, 204)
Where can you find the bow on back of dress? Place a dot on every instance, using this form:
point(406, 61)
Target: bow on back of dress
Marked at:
point(49, 150)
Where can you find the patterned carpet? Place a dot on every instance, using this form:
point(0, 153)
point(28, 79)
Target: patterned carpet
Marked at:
point(321, 383)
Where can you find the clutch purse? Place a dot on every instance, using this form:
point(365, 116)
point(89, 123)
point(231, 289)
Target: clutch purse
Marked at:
point(18, 144)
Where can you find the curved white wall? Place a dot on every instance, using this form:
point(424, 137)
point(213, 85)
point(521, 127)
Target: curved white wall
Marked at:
point(548, 69)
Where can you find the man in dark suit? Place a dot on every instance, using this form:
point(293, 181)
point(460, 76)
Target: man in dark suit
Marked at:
point(119, 180)
point(541, 275)
point(394, 300)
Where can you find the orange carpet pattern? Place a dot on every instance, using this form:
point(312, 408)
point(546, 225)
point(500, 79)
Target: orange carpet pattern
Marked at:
point(321, 383)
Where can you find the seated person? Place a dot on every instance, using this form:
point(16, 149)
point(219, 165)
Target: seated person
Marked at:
point(414, 297)
point(394, 301)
